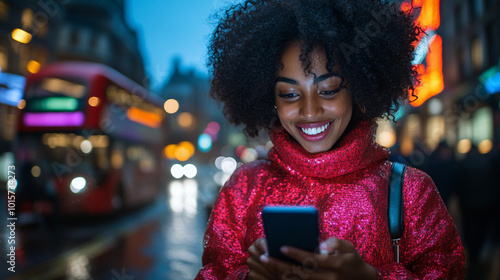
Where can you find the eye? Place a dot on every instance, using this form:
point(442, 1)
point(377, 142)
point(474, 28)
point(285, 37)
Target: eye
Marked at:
point(330, 92)
point(287, 95)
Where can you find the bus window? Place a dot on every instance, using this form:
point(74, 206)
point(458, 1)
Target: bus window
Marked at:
point(141, 157)
point(79, 154)
point(56, 86)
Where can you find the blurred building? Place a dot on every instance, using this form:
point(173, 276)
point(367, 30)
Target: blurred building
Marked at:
point(196, 114)
point(471, 69)
point(97, 31)
point(458, 99)
point(34, 33)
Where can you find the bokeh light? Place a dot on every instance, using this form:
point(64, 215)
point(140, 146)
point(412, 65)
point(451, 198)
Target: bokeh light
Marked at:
point(169, 151)
point(229, 164)
point(204, 142)
point(86, 146)
point(77, 184)
point(21, 36)
point(177, 171)
point(182, 153)
point(188, 146)
point(190, 171)
point(212, 130)
point(485, 146)
point(464, 146)
point(36, 171)
point(94, 101)
point(171, 106)
point(21, 104)
point(218, 162)
point(249, 155)
point(185, 119)
point(33, 66)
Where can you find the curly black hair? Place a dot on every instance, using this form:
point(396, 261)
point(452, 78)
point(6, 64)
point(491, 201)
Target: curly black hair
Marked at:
point(371, 42)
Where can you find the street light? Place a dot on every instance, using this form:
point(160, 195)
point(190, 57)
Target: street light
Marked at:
point(171, 106)
point(21, 36)
point(33, 66)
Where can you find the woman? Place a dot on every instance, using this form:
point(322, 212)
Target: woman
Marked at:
point(316, 74)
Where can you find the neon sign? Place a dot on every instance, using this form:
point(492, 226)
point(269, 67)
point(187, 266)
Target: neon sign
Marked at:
point(53, 104)
point(429, 51)
point(11, 88)
point(144, 117)
point(57, 119)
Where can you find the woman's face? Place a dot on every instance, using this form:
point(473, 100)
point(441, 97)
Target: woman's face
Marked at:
point(312, 107)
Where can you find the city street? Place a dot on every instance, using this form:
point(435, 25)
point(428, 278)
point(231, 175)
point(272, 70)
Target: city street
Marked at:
point(162, 240)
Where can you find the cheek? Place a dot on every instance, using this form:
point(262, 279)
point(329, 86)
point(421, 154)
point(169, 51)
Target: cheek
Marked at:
point(344, 107)
point(347, 110)
point(340, 108)
point(287, 112)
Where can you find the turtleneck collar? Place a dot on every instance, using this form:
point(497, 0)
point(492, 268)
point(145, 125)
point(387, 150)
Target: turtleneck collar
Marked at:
point(354, 151)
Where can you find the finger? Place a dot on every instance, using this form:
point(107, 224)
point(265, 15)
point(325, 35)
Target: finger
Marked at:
point(311, 261)
point(336, 261)
point(254, 252)
point(308, 261)
point(334, 246)
point(254, 275)
point(255, 266)
point(309, 269)
point(296, 254)
point(261, 244)
point(329, 246)
point(345, 246)
point(281, 269)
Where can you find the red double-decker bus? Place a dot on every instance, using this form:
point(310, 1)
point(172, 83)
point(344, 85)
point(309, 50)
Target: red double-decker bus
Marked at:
point(91, 137)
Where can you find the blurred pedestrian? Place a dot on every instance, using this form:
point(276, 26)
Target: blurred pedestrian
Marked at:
point(477, 188)
point(442, 167)
point(316, 75)
point(35, 188)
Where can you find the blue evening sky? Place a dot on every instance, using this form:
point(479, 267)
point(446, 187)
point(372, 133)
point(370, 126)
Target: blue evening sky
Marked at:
point(172, 28)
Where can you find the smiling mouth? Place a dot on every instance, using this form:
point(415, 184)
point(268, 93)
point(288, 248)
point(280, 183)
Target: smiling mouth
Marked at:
point(315, 130)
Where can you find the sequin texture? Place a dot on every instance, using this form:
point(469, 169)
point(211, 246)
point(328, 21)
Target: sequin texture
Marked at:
point(348, 185)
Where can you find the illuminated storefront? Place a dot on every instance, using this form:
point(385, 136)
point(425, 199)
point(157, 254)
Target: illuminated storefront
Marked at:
point(458, 97)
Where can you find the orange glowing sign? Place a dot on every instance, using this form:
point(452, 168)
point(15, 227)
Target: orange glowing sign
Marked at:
point(431, 73)
point(144, 117)
point(429, 14)
point(431, 77)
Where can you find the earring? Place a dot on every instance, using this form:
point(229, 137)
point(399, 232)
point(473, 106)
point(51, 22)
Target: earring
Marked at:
point(276, 108)
point(361, 107)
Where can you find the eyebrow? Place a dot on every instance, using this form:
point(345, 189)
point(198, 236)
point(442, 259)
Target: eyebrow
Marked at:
point(316, 80)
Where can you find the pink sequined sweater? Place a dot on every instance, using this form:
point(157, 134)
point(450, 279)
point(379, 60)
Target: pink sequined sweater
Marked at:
point(349, 186)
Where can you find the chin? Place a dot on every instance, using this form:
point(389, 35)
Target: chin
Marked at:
point(316, 150)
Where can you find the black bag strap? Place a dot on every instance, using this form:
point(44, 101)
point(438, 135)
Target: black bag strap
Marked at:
point(395, 207)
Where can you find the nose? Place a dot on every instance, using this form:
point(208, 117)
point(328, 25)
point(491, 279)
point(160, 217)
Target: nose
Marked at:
point(311, 106)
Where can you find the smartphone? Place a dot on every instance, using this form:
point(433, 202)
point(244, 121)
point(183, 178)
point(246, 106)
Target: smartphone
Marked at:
point(295, 226)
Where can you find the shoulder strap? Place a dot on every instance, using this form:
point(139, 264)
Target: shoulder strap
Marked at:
point(395, 209)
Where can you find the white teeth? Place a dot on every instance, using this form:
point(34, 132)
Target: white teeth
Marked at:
point(314, 130)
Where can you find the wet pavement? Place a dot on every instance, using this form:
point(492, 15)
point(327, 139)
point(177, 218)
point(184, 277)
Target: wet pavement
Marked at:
point(162, 240)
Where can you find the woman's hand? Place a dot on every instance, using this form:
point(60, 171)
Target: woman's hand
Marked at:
point(338, 259)
point(257, 270)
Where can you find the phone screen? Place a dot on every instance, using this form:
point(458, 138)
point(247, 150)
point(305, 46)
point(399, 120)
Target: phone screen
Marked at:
point(295, 226)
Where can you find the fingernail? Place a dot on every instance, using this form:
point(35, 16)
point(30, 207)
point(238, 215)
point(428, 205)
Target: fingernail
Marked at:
point(264, 259)
point(284, 249)
point(323, 252)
